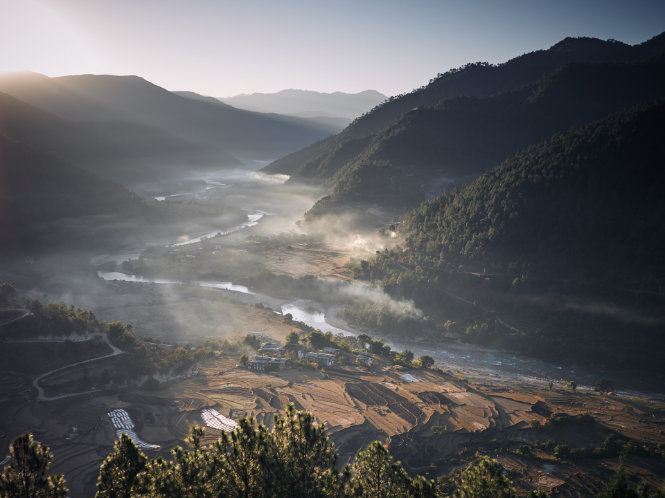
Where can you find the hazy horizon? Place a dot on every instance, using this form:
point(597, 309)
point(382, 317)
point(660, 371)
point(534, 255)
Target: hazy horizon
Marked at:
point(224, 49)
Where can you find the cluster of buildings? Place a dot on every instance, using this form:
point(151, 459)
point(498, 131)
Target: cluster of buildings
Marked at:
point(273, 356)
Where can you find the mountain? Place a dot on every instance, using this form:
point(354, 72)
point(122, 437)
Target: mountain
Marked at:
point(326, 162)
point(44, 200)
point(130, 99)
point(427, 149)
point(121, 151)
point(309, 104)
point(565, 238)
point(332, 124)
point(201, 98)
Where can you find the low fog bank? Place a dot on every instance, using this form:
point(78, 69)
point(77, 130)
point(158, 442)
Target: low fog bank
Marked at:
point(225, 226)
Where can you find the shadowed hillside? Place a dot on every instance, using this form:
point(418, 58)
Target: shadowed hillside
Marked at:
point(102, 98)
point(565, 238)
point(445, 130)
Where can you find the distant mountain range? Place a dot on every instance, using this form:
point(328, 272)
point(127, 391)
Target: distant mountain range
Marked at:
point(132, 118)
point(468, 120)
point(336, 108)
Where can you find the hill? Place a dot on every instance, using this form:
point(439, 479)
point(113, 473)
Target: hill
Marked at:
point(332, 123)
point(122, 99)
point(427, 149)
point(45, 201)
point(120, 151)
point(576, 220)
point(307, 103)
point(326, 161)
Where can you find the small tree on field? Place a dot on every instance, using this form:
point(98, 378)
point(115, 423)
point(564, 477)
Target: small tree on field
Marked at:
point(252, 341)
point(292, 337)
point(426, 361)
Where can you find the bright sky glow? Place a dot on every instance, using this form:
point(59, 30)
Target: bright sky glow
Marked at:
point(226, 47)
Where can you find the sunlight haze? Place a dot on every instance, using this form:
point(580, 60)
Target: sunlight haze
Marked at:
point(224, 48)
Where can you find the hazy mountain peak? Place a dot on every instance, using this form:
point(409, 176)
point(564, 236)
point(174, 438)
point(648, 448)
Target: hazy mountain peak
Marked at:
point(293, 101)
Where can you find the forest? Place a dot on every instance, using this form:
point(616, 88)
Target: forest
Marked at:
point(578, 214)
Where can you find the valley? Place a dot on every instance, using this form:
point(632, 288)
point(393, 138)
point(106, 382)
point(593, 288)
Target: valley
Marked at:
point(186, 289)
point(465, 278)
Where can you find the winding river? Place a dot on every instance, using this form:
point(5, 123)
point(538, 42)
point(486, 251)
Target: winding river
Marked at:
point(472, 361)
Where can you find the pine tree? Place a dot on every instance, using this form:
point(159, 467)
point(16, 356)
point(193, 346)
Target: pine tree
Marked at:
point(25, 474)
point(305, 456)
point(375, 474)
point(240, 462)
point(485, 479)
point(618, 486)
point(120, 469)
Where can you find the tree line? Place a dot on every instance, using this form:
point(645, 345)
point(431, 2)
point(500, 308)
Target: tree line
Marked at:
point(293, 458)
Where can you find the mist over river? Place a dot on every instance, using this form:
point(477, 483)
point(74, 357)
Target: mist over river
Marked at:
point(262, 198)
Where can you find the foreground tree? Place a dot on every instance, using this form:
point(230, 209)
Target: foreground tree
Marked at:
point(375, 474)
point(120, 469)
point(485, 479)
point(305, 456)
point(187, 475)
point(25, 474)
point(242, 462)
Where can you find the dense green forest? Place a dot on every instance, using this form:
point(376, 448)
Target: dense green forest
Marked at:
point(580, 213)
point(293, 458)
point(425, 150)
point(469, 119)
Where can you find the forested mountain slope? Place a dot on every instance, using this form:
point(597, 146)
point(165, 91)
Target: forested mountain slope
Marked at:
point(472, 80)
point(584, 205)
point(415, 142)
point(565, 237)
point(459, 139)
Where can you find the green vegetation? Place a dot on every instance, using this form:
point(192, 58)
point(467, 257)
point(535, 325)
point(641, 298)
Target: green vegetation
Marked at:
point(485, 479)
point(382, 316)
point(434, 143)
point(26, 473)
point(518, 230)
point(293, 458)
point(53, 320)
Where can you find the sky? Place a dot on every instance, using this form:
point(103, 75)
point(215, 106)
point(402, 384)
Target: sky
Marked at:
point(227, 47)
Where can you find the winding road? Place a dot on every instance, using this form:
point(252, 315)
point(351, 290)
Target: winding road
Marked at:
point(40, 390)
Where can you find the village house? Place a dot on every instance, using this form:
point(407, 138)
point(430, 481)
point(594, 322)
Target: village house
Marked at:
point(365, 358)
point(321, 359)
point(263, 363)
point(258, 363)
point(260, 335)
point(271, 348)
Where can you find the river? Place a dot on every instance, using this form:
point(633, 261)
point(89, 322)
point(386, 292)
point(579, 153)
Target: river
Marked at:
point(472, 361)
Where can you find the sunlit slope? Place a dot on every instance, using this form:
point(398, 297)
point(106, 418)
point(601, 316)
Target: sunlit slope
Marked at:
point(121, 151)
point(99, 98)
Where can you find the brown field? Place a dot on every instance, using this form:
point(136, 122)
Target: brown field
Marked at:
point(429, 425)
